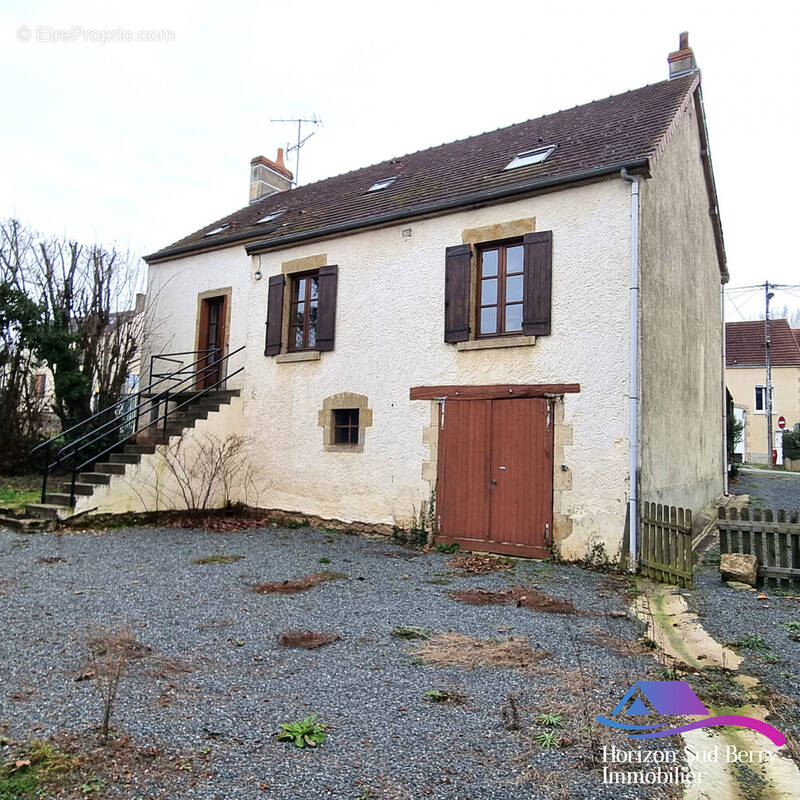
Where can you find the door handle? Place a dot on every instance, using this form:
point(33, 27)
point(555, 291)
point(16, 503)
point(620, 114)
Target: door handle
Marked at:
point(492, 482)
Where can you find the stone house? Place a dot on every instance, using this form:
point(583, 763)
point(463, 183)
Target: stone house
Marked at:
point(746, 378)
point(519, 333)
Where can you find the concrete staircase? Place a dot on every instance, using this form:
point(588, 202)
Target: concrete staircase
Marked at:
point(45, 516)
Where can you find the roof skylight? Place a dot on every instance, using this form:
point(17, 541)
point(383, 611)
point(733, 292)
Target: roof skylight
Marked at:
point(529, 157)
point(271, 216)
point(381, 184)
point(218, 229)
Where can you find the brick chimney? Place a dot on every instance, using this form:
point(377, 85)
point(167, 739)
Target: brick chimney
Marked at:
point(682, 62)
point(268, 177)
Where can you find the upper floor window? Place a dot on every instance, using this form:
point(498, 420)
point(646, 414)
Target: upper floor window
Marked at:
point(500, 289)
point(303, 311)
point(761, 399)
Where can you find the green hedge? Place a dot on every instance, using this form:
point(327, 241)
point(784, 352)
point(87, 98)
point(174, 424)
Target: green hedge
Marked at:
point(791, 444)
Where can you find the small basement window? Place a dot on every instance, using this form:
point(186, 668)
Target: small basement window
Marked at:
point(381, 184)
point(218, 229)
point(530, 157)
point(345, 426)
point(271, 216)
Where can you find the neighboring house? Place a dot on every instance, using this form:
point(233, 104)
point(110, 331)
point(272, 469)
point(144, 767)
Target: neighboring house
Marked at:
point(525, 325)
point(746, 378)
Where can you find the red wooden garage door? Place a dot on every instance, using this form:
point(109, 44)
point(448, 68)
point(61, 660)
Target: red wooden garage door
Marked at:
point(495, 475)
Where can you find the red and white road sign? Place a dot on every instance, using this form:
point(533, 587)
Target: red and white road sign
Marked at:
point(781, 422)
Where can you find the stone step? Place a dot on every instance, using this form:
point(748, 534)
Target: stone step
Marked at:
point(110, 469)
point(59, 499)
point(84, 489)
point(24, 523)
point(43, 510)
point(125, 458)
point(140, 449)
point(94, 477)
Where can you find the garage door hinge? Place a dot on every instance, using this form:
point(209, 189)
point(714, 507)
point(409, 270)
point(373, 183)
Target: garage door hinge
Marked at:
point(549, 406)
point(547, 533)
point(441, 402)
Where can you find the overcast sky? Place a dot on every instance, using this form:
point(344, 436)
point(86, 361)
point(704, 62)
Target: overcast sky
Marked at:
point(141, 143)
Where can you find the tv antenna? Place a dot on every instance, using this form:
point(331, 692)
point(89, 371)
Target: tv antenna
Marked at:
point(301, 140)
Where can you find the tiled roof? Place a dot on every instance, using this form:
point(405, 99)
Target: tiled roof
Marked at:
point(618, 130)
point(744, 344)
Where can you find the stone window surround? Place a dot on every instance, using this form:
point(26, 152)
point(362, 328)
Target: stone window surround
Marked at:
point(325, 415)
point(289, 269)
point(476, 236)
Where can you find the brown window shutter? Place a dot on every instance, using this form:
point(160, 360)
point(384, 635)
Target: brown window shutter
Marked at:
point(538, 269)
point(274, 315)
point(458, 263)
point(326, 308)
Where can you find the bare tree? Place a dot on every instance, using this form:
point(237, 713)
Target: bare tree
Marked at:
point(73, 309)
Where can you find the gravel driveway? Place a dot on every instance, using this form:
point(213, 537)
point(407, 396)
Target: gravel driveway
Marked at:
point(216, 685)
point(775, 490)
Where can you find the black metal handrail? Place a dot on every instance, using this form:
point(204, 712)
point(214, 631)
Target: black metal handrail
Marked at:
point(148, 402)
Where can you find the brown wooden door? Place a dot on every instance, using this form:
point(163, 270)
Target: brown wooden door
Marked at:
point(212, 335)
point(495, 475)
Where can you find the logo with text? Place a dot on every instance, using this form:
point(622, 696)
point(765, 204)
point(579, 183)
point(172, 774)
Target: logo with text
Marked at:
point(676, 699)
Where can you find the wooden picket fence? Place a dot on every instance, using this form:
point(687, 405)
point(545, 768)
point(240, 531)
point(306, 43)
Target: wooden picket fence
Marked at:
point(665, 549)
point(770, 537)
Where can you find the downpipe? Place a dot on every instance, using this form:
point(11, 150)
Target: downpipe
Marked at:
point(633, 400)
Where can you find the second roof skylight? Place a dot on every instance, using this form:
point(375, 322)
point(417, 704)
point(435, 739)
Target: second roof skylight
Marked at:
point(528, 157)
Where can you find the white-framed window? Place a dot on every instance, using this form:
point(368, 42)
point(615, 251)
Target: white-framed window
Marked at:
point(761, 399)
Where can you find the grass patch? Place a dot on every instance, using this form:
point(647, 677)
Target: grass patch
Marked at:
point(218, 558)
point(444, 696)
point(456, 650)
point(16, 492)
point(480, 564)
point(446, 548)
point(307, 640)
point(301, 584)
point(411, 632)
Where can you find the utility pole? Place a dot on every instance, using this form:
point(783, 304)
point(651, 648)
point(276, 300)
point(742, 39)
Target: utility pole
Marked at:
point(767, 345)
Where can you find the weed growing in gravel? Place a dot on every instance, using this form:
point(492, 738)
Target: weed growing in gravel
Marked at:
point(548, 740)
point(110, 653)
point(218, 558)
point(411, 632)
point(550, 720)
point(793, 629)
point(752, 642)
point(324, 560)
point(668, 674)
point(444, 696)
point(446, 548)
point(303, 732)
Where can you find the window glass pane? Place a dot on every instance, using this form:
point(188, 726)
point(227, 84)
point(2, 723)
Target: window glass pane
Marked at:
point(298, 337)
point(299, 313)
point(314, 288)
point(759, 399)
point(489, 263)
point(514, 317)
point(489, 292)
point(312, 335)
point(489, 320)
point(514, 259)
point(514, 289)
point(301, 288)
point(312, 311)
